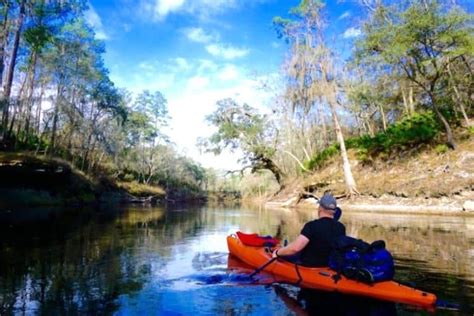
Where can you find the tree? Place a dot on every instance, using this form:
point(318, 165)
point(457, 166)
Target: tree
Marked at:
point(37, 35)
point(7, 85)
point(312, 74)
point(240, 126)
point(422, 42)
point(154, 105)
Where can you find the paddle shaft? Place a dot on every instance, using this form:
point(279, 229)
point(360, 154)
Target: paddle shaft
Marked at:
point(258, 270)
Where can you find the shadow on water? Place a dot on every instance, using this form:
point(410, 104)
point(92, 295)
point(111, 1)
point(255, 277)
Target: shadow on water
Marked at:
point(312, 302)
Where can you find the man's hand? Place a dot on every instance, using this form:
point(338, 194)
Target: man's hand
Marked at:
point(275, 253)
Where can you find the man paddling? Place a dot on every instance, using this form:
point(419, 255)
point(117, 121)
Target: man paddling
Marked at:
point(313, 245)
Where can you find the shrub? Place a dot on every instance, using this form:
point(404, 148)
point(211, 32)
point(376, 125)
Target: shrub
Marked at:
point(408, 132)
point(441, 149)
point(322, 157)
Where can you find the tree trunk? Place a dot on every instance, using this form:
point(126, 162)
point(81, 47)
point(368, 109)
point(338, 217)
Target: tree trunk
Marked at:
point(348, 177)
point(297, 160)
point(18, 114)
point(11, 68)
point(31, 87)
point(384, 119)
point(88, 143)
point(324, 128)
point(368, 125)
point(70, 134)
point(52, 144)
point(268, 164)
point(405, 101)
point(18, 108)
point(91, 162)
point(449, 134)
point(458, 98)
point(411, 102)
point(3, 39)
point(38, 111)
point(408, 100)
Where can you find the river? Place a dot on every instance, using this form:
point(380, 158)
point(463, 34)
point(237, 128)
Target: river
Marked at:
point(174, 261)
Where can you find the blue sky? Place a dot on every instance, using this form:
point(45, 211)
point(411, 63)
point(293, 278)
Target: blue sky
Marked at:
point(199, 51)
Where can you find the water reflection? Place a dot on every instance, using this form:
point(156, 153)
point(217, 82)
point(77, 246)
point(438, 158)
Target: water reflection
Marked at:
point(158, 261)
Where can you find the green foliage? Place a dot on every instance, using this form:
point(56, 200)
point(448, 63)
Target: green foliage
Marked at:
point(103, 131)
point(242, 127)
point(441, 149)
point(37, 37)
point(319, 160)
point(418, 43)
point(409, 132)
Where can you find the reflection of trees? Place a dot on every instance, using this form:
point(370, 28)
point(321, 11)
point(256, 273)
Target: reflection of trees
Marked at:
point(442, 244)
point(439, 243)
point(435, 252)
point(81, 261)
point(68, 265)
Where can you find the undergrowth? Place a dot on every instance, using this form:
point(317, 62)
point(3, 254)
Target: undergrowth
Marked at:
point(406, 133)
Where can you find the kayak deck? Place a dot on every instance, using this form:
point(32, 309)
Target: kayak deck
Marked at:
point(322, 278)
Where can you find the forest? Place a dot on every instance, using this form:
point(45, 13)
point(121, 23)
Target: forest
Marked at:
point(407, 81)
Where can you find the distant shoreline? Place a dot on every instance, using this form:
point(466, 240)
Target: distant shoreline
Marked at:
point(391, 205)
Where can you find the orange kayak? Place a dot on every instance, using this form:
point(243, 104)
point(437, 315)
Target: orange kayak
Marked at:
point(322, 278)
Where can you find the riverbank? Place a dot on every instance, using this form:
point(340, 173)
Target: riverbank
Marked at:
point(28, 180)
point(420, 180)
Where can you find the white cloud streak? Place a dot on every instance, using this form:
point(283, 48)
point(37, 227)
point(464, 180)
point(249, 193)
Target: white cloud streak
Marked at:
point(202, 9)
point(197, 34)
point(226, 51)
point(352, 32)
point(163, 7)
point(93, 19)
point(345, 15)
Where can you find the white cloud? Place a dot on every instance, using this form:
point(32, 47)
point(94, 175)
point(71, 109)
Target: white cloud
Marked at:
point(188, 112)
point(201, 9)
point(197, 83)
point(352, 32)
point(93, 19)
point(206, 65)
point(197, 34)
point(226, 51)
point(206, 8)
point(192, 95)
point(345, 15)
point(181, 63)
point(228, 72)
point(163, 7)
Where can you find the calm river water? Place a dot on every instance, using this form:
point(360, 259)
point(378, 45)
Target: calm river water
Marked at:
point(157, 261)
